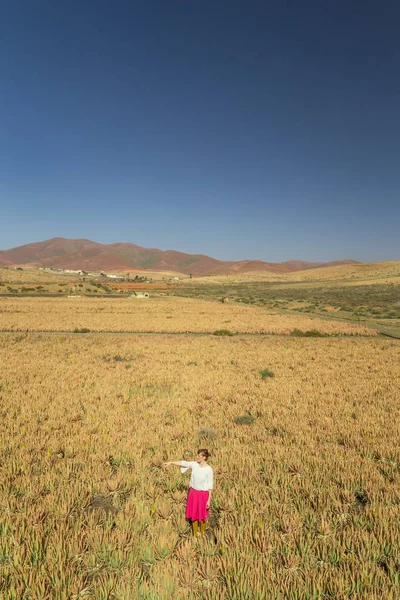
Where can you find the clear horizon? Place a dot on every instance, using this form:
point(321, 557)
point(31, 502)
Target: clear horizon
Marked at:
point(241, 131)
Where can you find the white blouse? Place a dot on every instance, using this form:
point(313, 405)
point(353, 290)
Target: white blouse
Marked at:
point(202, 478)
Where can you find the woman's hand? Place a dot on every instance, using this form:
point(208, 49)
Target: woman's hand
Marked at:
point(208, 505)
point(178, 463)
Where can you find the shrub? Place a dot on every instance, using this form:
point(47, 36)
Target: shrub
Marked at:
point(101, 502)
point(275, 431)
point(223, 332)
point(117, 358)
point(82, 330)
point(244, 420)
point(361, 498)
point(207, 432)
point(265, 373)
point(310, 333)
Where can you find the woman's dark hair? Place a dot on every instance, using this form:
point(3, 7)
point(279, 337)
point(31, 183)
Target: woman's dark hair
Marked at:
point(204, 452)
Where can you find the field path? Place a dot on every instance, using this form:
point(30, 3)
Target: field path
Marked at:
point(382, 333)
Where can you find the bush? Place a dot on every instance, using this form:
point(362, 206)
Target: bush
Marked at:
point(361, 498)
point(117, 358)
point(275, 431)
point(82, 330)
point(310, 333)
point(244, 420)
point(223, 332)
point(207, 432)
point(265, 373)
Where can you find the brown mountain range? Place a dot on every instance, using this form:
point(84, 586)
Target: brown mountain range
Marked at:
point(90, 256)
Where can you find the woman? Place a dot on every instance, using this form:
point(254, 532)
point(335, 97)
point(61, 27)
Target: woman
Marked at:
point(201, 484)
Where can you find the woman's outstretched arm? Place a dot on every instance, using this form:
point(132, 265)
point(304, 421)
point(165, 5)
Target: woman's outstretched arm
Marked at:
point(177, 463)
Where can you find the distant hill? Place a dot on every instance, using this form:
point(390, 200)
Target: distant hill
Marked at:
point(63, 253)
point(343, 274)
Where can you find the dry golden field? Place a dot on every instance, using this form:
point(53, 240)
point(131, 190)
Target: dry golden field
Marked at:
point(359, 272)
point(306, 503)
point(26, 275)
point(168, 315)
point(259, 276)
point(389, 270)
point(34, 276)
point(158, 275)
point(378, 270)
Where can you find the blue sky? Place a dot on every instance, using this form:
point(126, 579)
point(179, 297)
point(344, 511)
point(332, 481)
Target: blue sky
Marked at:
point(237, 129)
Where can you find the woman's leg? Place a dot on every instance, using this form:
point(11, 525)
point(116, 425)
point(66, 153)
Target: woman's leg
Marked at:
point(195, 528)
point(202, 527)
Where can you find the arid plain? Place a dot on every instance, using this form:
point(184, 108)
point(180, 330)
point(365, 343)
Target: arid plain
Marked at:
point(300, 411)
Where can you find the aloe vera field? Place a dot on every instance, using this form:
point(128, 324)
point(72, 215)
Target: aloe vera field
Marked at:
point(303, 433)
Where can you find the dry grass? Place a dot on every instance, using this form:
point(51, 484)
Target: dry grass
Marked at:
point(259, 276)
point(158, 275)
point(378, 270)
point(34, 276)
point(156, 315)
point(26, 275)
point(364, 271)
point(306, 503)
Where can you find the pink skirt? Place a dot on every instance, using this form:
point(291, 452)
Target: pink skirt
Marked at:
point(196, 505)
